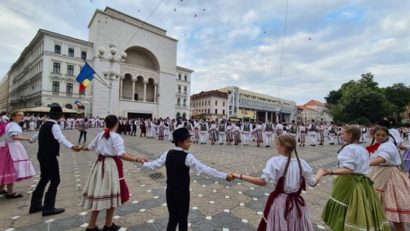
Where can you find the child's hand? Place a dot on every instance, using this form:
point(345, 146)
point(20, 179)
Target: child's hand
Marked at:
point(229, 177)
point(236, 175)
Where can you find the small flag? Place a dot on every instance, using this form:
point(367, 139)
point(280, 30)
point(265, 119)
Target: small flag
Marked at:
point(85, 76)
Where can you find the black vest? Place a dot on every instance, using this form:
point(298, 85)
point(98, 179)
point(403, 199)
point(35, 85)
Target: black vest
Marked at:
point(48, 146)
point(177, 172)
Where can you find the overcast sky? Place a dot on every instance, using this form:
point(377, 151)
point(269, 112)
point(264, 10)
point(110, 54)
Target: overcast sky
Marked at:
point(239, 42)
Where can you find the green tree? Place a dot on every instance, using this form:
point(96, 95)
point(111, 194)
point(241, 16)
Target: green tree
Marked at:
point(398, 95)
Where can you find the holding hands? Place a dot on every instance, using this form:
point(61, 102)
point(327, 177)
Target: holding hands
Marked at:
point(76, 148)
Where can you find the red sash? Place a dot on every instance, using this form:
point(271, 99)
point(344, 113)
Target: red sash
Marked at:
point(292, 199)
point(124, 192)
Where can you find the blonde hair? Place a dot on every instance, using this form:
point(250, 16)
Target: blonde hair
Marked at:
point(13, 114)
point(289, 143)
point(354, 131)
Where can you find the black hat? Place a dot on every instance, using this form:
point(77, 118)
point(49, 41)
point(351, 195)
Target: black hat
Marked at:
point(56, 110)
point(383, 123)
point(180, 134)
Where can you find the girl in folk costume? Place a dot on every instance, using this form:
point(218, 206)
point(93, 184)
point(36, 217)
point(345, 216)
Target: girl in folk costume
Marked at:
point(196, 132)
point(189, 126)
point(143, 128)
point(161, 129)
point(171, 128)
point(246, 131)
point(312, 133)
point(221, 132)
point(285, 209)
point(229, 133)
point(268, 130)
point(152, 128)
point(332, 133)
point(406, 157)
point(14, 163)
point(278, 129)
point(237, 133)
point(321, 131)
point(390, 181)
point(105, 187)
point(259, 133)
point(213, 133)
point(353, 204)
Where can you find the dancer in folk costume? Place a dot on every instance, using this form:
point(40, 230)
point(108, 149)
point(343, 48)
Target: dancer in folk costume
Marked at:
point(213, 133)
point(143, 128)
point(268, 131)
point(171, 128)
point(229, 133)
point(204, 130)
point(390, 181)
point(221, 132)
point(312, 133)
point(161, 129)
point(190, 125)
point(285, 209)
point(15, 165)
point(278, 129)
point(302, 134)
point(246, 131)
point(197, 127)
point(152, 128)
point(292, 128)
point(353, 204)
point(321, 131)
point(178, 161)
point(105, 187)
point(363, 138)
point(332, 133)
point(259, 133)
point(237, 133)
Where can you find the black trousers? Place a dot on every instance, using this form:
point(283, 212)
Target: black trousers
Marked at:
point(49, 173)
point(82, 133)
point(134, 131)
point(178, 209)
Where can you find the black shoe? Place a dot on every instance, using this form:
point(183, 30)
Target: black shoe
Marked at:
point(112, 228)
point(95, 229)
point(52, 211)
point(35, 209)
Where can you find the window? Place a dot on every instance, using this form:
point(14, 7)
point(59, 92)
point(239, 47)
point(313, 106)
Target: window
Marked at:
point(179, 89)
point(184, 89)
point(84, 55)
point(56, 87)
point(216, 102)
point(209, 102)
point(223, 112)
point(57, 49)
point(69, 89)
point(223, 103)
point(179, 76)
point(209, 111)
point(56, 68)
point(71, 52)
point(70, 70)
point(184, 102)
point(216, 111)
point(186, 78)
point(179, 101)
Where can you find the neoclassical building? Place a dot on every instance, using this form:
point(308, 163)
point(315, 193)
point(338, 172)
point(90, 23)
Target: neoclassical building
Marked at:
point(135, 64)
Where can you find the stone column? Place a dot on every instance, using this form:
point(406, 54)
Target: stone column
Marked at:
point(266, 116)
point(145, 90)
point(134, 80)
point(121, 84)
point(155, 91)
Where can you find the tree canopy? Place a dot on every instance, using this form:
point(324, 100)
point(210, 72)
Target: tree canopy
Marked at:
point(364, 102)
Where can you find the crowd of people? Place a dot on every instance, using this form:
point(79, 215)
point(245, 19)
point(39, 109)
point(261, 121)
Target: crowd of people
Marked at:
point(370, 191)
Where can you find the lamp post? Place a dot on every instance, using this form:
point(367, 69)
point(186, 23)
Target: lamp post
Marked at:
point(113, 71)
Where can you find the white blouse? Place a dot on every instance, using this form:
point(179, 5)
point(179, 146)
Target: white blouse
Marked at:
point(275, 168)
point(354, 157)
point(389, 152)
point(113, 146)
point(12, 129)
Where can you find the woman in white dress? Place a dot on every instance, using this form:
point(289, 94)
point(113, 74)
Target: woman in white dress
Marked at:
point(14, 163)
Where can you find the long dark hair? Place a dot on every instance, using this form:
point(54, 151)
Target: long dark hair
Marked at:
point(110, 122)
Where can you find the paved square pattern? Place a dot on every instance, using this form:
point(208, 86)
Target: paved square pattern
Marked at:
point(215, 204)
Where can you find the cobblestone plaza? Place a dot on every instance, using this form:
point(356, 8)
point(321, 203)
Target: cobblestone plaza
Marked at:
point(215, 204)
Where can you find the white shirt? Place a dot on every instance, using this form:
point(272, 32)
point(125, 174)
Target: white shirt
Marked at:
point(113, 146)
point(58, 134)
point(354, 157)
point(396, 134)
point(389, 152)
point(279, 126)
point(190, 162)
point(11, 130)
point(275, 168)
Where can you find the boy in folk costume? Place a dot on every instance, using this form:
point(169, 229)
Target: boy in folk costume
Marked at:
point(213, 133)
point(312, 133)
point(237, 133)
point(221, 132)
point(178, 162)
point(161, 129)
point(204, 130)
point(332, 133)
point(106, 187)
point(246, 131)
point(229, 133)
point(153, 128)
point(302, 134)
point(197, 127)
point(278, 129)
point(268, 130)
point(171, 128)
point(321, 130)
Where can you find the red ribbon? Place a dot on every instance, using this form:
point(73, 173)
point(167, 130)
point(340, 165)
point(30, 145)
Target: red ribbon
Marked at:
point(106, 134)
point(373, 148)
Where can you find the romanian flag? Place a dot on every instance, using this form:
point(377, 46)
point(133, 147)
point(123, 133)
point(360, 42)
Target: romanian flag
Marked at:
point(85, 77)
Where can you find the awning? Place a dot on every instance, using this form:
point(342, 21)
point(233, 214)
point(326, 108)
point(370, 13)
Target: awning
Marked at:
point(47, 109)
